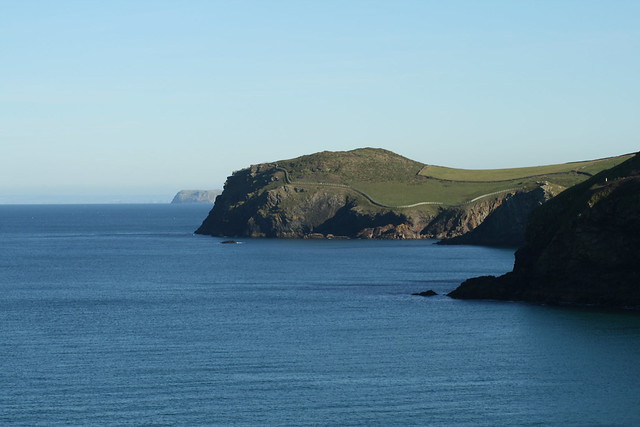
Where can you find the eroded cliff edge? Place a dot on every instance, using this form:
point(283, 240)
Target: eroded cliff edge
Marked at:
point(373, 193)
point(581, 248)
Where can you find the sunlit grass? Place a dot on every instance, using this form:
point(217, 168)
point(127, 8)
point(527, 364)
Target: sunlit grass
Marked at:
point(395, 181)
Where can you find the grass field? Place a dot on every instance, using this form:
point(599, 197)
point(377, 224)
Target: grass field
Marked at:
point(491, 175)
point(396, 181)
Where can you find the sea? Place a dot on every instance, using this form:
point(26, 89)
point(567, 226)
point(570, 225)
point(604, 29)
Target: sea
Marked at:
point(120, 315)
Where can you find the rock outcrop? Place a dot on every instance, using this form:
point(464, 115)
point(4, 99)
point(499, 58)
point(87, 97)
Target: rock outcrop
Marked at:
point(196, 196)
point(253, 206)
point(429, 293)
point(503, 221)
point(582, 247)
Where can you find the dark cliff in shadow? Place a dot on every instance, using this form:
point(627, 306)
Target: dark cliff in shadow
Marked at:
point(505, 224)
point(582, 247)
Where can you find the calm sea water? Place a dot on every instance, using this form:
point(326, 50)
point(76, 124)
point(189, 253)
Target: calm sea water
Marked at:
point(118, 314)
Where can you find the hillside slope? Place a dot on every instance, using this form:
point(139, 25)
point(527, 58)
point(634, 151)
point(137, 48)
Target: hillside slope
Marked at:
point(582, 247)
point(369, 193)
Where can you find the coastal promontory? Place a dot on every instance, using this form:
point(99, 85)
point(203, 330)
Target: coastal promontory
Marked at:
point(196, 196)
point(374, 193)
point(581, 248)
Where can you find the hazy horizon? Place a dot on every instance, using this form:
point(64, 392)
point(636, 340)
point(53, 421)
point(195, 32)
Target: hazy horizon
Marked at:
point(80, 198)
point(137, 100)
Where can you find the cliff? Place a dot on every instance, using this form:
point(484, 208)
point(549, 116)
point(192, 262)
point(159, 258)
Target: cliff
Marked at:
point(504, 224)
point(374, 193)
point(582, 247)
point(196, 196)
point(262, 201)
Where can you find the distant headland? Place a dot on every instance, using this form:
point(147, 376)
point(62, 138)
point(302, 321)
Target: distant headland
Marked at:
point(196, 196)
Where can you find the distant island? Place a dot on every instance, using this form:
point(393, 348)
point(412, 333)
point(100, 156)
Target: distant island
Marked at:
point(374, 193)
point(196, 196)
point(581, 248)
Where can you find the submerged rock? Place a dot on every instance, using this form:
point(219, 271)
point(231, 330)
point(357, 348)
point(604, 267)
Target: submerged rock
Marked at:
point(428, 293)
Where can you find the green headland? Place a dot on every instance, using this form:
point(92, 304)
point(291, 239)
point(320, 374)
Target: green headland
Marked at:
point(397, 181)
point(354, 193)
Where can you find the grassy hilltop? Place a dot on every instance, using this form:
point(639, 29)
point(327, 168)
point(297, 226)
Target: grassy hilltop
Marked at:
point(396, 181)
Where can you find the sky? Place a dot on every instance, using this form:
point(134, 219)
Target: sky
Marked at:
point(107, 101)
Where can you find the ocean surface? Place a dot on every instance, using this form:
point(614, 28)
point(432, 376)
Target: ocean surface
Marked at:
point(119, 315)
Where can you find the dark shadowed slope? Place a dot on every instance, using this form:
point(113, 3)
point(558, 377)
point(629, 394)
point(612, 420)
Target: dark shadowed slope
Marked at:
point(582, 247)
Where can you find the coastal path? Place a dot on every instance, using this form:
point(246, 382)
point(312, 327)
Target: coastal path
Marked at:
point(371, 200)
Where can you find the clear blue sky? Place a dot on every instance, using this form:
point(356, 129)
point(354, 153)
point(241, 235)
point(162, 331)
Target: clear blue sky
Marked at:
point(144, 98)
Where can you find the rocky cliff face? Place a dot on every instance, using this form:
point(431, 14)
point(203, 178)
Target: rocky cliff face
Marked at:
point(256, 204)
point(261, 202)
point(502, 222)
point(582, 247)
